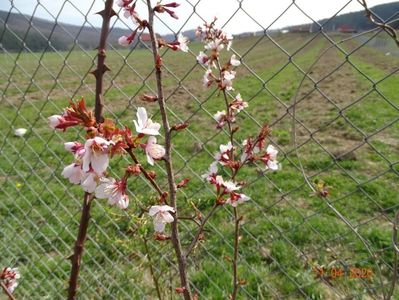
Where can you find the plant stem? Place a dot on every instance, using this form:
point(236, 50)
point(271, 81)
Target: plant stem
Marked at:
point(154, 278)
point(106, 14)
point(145, 173)
point(168, 158)
point(200, 230)
point(79, 246)
point(235, 258)
point(6, 291)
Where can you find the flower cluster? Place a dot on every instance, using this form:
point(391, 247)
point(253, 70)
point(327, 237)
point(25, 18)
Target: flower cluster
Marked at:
point(253, 149)
point(129, 9)
point(9, 277)
point(129, 12)
point(91, 159)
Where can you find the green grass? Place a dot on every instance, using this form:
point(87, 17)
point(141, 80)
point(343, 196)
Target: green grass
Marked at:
point(286, 230)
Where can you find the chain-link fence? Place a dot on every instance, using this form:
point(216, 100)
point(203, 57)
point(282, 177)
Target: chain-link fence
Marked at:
point(329, 90)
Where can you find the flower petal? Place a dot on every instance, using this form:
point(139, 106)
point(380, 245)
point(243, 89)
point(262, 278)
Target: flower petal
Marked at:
point(159, 226)
point(154, 210)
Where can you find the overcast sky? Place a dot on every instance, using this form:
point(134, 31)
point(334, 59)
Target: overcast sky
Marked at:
point(265, 13)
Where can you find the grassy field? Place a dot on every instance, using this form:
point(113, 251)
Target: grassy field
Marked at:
point(347, 135)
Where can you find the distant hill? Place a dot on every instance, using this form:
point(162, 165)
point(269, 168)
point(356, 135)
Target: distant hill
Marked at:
point(355, 21)
point(63, 35)
point(358, 20)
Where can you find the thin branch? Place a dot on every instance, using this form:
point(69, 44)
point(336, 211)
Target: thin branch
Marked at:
point(154, 278)
point(79, 246)
point(6, 291)
point(235, 257)
point(145, 173)
point(106, 14)
point(200, 230)
point(168, 158)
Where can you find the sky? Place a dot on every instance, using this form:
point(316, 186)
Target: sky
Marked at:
point(263, 13)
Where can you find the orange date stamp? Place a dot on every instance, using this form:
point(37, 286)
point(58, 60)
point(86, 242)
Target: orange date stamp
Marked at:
point(339, 272)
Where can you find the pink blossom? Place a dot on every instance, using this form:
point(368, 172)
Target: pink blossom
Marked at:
point(270, 158)
point(238, 104)
point(224, 155)
point(203, 59)
point(215, 45)
point(227, 80)
point(153, 150)
point(114, 191)
point(220, 117)
point(180, 44)
point(162, 215)
point(75, 148)
point(124, 40)
point(96, 155)
point(211, 175)
point(144, 124)
point(9, 277)
point(55, 121)
point(73, 173)
point(236, 198)
point(123, 3)
point(208, 78)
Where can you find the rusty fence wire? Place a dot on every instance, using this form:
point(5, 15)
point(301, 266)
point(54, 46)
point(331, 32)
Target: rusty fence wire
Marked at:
point(328, 90)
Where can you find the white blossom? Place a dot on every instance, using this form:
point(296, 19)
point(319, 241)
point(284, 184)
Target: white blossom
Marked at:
point(162, 216)
point(20, 132)
point(234, 62)
point(89, 182)
point(145, 125)
point(114, 191)
point(183, 42)
point(96, 155)
point(270, 158)
point(230, 186)
point(73, 173)
point(227, 79)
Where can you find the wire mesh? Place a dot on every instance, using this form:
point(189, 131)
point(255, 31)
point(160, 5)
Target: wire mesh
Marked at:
point(330, 98)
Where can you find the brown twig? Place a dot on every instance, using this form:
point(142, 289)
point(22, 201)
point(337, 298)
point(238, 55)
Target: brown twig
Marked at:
point(79, 246)
point(168, 159)
point(145, 173)
point(200, 230)
point(154, 278)
point(6, 291)
point(234, 173)
point(235, 257)
point(106, 14)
